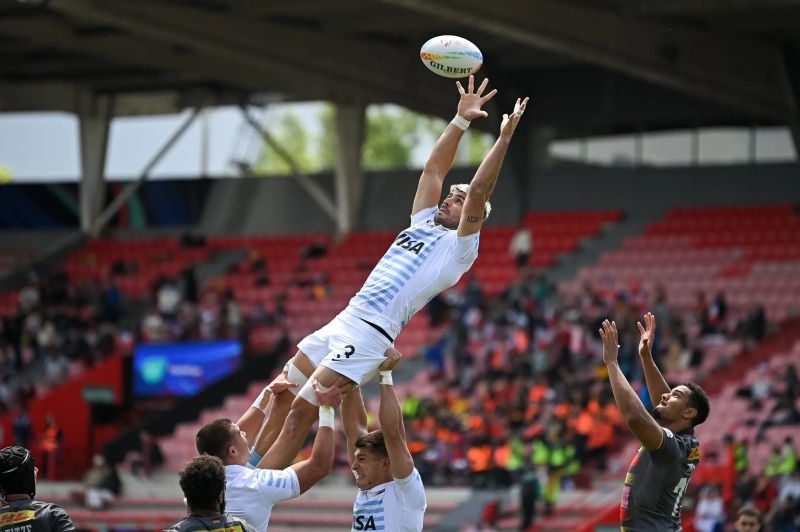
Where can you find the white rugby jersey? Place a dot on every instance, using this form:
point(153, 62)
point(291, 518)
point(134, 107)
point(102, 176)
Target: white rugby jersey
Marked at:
point(250, 494)
point(398, 505)
point(424, 260)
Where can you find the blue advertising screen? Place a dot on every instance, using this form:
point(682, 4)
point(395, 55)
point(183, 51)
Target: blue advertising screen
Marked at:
point(182, 369)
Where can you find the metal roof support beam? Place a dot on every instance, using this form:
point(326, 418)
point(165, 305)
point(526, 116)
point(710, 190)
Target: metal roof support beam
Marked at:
point(327, 205)
point(350, 130)
point(792, 58)
point(130, 189)
point(94, 116)
point(745, 75)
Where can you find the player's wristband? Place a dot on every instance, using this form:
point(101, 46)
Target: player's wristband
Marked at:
point(260, 399)
point(254, 460)
point(460, 122)
point(326, 416)
point(386, 378)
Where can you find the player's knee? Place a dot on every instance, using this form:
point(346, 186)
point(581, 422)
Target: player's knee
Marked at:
point(300, 417)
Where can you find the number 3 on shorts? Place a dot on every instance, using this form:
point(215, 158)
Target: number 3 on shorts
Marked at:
point(348, 351)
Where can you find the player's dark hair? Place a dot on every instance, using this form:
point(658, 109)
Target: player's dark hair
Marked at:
point(750, 511)
point(215, 438)
point(202, 480)
point(374, 442)
point(699, 401)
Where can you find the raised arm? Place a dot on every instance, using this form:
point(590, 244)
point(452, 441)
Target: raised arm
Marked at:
point(354, 418)
point(320, 463)
point(482, 185)
point(390, 416)
point(656, 384)
point(251, 420)
point(639, 420)
point(429, 190)
point(281, 404)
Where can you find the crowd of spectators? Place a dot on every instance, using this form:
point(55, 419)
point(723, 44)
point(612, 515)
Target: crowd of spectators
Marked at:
point(56, 325)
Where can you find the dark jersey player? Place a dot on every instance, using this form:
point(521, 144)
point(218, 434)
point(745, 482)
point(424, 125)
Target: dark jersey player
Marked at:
point(19, 512)
point(202, 481)
point(661, 470)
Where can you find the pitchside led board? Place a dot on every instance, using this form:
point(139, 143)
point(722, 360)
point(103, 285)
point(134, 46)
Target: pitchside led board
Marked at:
point(184, 369)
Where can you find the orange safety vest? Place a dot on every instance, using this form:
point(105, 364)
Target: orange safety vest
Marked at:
point(50, 439)
point(501, 456)
point(479, 458)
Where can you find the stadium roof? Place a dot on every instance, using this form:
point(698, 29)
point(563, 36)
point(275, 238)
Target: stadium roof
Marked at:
point(605, 65)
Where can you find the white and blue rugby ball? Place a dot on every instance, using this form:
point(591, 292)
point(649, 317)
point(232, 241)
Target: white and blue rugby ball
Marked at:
point(451, 56)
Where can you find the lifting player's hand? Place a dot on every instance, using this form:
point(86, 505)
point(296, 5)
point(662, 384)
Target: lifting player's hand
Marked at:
point(510, 122)
point(280, 384)
point(648, 335)
point(610, 342)
point(393, 357)
point(331, 397)
point(469, 107)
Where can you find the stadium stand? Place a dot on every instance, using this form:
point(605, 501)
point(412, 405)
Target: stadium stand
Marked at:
point(501, 317)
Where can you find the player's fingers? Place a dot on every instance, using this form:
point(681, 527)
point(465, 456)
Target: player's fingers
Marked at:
point(471, 84)
point(482, 87)
point(293, 385)
point(641, 329)
point(460, 88)
point(488, 96)
point(484, 114)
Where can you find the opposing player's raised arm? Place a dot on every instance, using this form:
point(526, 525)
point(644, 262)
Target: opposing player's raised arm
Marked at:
point(482, 185)
point(656, 384)
point(639, 420)
point(320, 463)
point(429, 189)
point(354, 418)
point(390, 416)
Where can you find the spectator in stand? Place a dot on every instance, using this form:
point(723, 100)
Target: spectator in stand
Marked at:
point(754, 327)
point(51, 447)
point(764, 494)
point(709, 515)
point(749, 519)
point(529, 494)
point(101, 484)
point(23, 433)
point(521, 246)
point(148, 458)
point(789, 487)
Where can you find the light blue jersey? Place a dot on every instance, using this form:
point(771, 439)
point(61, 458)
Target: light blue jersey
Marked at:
point(424, 260)
point(396, 506)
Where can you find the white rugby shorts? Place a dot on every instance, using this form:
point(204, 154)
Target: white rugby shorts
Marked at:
point(348, 346)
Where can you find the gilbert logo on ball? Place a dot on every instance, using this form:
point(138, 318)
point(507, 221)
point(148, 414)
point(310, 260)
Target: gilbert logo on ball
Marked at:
point(451, 56)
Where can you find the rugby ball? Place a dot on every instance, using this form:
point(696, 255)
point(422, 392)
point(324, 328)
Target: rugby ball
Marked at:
point(451, 56)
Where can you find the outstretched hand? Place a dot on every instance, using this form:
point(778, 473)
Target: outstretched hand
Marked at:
point(280, 384)
point(610, 342)
point(648, 335)
point(509, 124)
point(469, 107)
